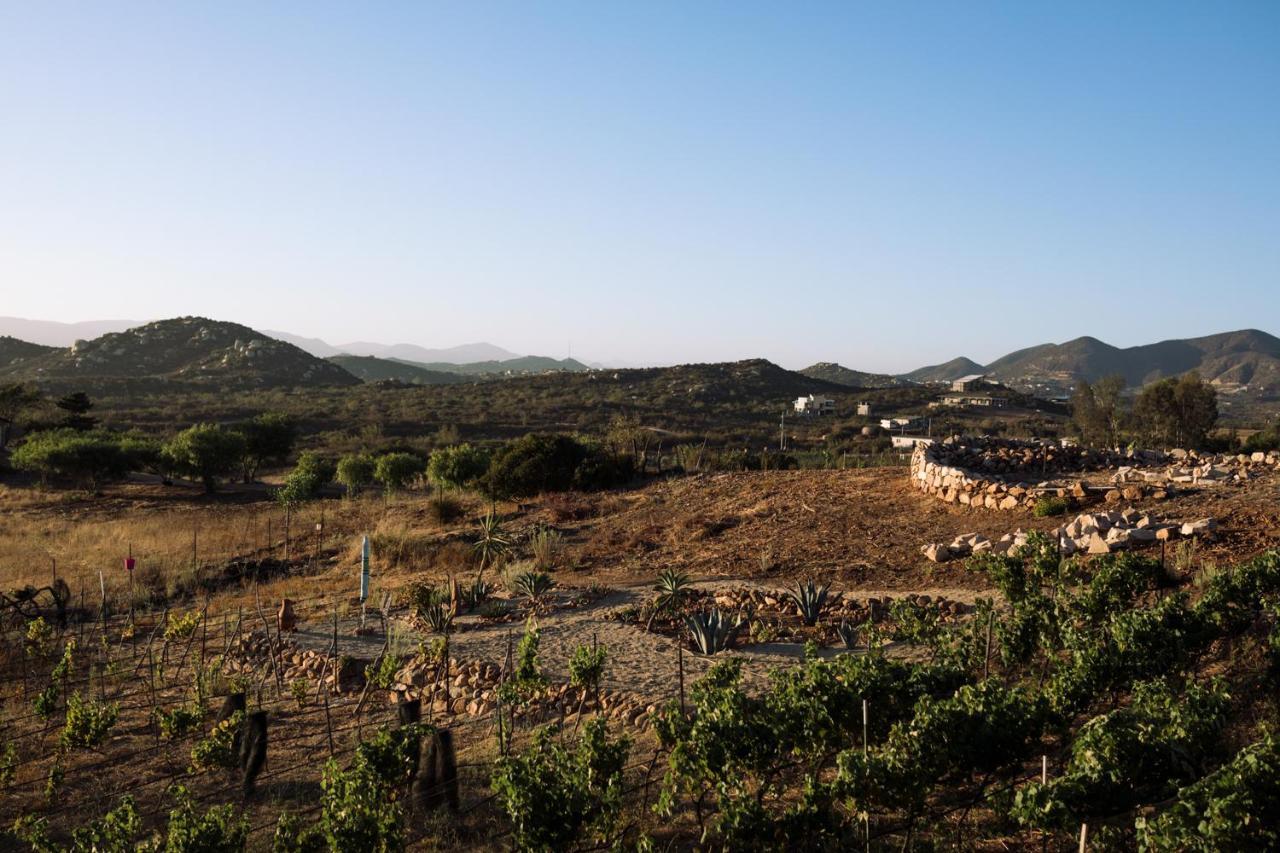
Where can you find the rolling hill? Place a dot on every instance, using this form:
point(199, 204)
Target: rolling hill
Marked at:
point(1246, 357)
point(840, 375)
point(953, 369)
point(182, 351)
point(13, 351)
point(373, 369)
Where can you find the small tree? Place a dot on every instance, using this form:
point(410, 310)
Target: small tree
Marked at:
point(269, 437)
point(355, 471)
point(458, 466)
point(90, 458)
point(205, 452)
point(312, 473)
point(76, 407)
point(396, 471)
point(1177, 412)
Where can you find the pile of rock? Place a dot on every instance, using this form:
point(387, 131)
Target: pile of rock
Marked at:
point(968, 544)
point(1105, 532)
point(1088, 533)
point(472, 688)
point(252, 654)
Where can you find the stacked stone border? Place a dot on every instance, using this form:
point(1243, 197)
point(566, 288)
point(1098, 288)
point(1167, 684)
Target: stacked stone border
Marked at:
point(1001, 473)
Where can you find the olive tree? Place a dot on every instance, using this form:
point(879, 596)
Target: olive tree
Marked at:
point(205, 452)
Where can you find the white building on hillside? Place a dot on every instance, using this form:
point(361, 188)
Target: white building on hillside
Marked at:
point(812, 405)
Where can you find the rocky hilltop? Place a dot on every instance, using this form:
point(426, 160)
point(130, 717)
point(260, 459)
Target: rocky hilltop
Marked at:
point(185, 351)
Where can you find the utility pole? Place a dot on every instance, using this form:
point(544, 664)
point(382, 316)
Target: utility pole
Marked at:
point(782, 431)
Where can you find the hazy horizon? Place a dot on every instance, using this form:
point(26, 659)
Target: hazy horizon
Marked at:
point(885, 187)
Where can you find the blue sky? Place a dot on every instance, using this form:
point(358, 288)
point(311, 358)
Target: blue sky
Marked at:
point(884, 185)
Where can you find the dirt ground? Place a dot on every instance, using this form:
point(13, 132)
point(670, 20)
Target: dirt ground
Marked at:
point(859, 531)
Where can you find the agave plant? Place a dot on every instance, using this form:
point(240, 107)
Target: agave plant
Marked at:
point(810, 598)
point(492, 542)
point(848, 634)
point(438, 615)
point(533, 585)
point(712, 631)
point(475, 594)
point(671, 588)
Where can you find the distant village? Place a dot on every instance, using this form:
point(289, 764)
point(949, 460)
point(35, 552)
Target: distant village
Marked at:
point(975, 392)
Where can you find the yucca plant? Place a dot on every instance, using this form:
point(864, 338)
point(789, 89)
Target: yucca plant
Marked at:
point(712, 631)
point(493, 542)
point(810, 598)
point(671, 588)
point(848, 634)
point(533, 585)
point(438, 615)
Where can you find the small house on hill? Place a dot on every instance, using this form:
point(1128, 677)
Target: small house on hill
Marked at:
point(812, 405)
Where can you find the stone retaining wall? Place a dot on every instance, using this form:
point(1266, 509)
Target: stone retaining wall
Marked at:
point(998, 473)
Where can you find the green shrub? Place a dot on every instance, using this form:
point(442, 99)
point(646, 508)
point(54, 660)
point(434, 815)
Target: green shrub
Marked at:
point(553, 795)
point(218, 830)
point(534, 464)
point(218, 748)
point(88, 722)
point(1048, 506)
point(312, 473)
point(90, 458)
point(176, 723)
point(541, 462)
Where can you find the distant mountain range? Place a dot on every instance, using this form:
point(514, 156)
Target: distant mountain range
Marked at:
point(202, 351)
point(51, 333)
point(1231, 360)
point(462, 354)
